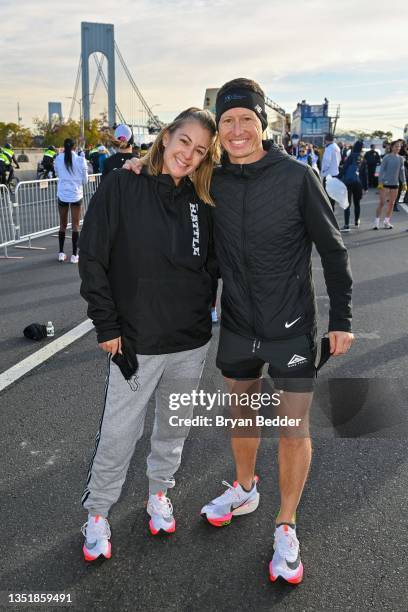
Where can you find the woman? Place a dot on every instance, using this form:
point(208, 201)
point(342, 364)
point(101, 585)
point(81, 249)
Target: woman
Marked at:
point(354, 175)
point(72, 173)
point(404, 154)
point(145, 262)
point(392, 173)
point(123, 142)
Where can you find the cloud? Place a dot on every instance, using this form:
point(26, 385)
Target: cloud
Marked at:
point(177, 49)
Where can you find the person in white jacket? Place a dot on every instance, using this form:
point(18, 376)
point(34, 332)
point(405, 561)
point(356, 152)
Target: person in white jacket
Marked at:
point(72, 173)
point(331, 161)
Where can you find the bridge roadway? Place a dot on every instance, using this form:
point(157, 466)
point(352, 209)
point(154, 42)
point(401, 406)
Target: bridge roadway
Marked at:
point(352, 519)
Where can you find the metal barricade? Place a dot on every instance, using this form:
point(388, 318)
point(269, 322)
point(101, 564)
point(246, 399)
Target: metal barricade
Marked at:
point(94, 180)
point(7, 227)
point(37, 207)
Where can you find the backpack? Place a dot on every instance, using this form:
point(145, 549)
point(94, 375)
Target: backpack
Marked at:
point(350, 169)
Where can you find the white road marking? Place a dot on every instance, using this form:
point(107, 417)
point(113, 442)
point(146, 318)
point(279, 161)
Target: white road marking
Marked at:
point(404, 206)
point(29, 363)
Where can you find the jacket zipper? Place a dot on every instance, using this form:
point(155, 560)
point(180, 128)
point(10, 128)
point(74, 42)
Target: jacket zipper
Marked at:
point(246, 266)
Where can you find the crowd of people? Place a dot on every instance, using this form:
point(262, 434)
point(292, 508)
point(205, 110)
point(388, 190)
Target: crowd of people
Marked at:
point(359, 171)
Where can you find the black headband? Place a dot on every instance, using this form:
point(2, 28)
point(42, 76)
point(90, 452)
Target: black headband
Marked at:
point(242, 98)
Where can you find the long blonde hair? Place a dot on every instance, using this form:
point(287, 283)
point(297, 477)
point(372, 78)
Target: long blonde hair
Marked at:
point(201, 177)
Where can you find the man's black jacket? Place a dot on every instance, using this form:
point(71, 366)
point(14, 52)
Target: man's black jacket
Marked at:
point(268, 215)
point(145, 251)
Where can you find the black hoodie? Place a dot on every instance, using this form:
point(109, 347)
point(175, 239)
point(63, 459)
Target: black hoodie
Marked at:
point(145, 252)
point(267, 216)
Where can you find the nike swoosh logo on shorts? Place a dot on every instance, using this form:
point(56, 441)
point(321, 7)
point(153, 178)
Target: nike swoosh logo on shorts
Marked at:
point(287, 325)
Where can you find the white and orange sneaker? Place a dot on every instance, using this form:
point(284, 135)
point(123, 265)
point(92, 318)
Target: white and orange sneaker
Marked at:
point(97, 538)
point(160, 509)
point(286, 558)
point(235, 501)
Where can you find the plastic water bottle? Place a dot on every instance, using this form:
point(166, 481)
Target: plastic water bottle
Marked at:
point(50, 329)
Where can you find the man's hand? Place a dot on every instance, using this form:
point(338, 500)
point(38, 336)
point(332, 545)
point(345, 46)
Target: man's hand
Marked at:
point(380, 186)
point(340, 342)
point(404, 187)
point(112, 346)
point(134, 164)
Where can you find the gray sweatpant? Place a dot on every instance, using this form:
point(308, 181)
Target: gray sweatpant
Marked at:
point(123, 419)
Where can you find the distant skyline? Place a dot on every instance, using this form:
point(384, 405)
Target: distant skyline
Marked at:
point(351, 52)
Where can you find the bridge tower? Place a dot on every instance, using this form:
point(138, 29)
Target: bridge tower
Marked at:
point(98, 37)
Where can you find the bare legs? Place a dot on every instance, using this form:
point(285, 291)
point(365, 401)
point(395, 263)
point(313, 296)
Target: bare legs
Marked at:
point(295, 448)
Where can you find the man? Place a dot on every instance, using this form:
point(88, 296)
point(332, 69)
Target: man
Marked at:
point(331, 160)
point(269, 211)
point(8, 151)
point(50, 154)
point(94, 158)
point(373, 159)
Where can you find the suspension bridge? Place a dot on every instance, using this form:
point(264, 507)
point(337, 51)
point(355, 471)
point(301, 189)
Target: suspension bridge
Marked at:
point(102, 63)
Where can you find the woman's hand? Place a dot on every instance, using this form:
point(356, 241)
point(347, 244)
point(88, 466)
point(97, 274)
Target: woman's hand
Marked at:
point(112, 346)
point(134, 164)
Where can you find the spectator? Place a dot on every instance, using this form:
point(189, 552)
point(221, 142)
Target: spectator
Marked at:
point(392, 173)
point(122, 141)
point(404, 154)
point(354, 176)
point(373, 159)
point(331, 161)
point(71, 170)
point(103, 156)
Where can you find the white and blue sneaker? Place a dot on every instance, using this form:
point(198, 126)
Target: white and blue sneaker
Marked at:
point(286, 558)
point(235, 501)
point(97, 538)
point(161, 514)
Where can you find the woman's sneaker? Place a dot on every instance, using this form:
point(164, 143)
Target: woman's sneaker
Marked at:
point(74, 259)
point(97, 538)
point(61, 257)
point(235, 501)
point(286, 558)
point(161, 514)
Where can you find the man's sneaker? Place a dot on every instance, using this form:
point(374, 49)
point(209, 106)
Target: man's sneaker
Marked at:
point(61, 257)
point(214, 315)
point(387, 225)
point(286, 558)
point(235, 501)
point(161, 512)
point(357, 223)
point(345, 228)
point(74, 258)
point(97, 535)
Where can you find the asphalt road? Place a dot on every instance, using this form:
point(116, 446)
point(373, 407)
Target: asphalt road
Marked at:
point(351, 521)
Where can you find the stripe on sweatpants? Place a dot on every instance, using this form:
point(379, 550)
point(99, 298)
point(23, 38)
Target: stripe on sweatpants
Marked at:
point(87, 492)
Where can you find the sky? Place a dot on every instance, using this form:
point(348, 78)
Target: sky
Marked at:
point(353, 52)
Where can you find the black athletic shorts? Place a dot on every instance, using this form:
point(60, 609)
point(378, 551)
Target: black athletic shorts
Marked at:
point(391, 186)
point(61, 203)
point(291, 361)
